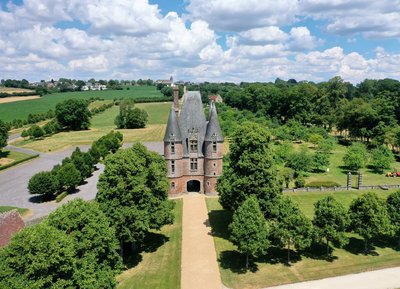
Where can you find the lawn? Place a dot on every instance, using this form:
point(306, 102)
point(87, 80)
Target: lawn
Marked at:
point(272, 269)
point(101, 124)
point(21, 211)
point(11, 158)
point(161, 268)
point(337, 173)
point(21, 109)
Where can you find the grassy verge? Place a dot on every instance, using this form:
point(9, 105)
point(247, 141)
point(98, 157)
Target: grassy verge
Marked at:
point(12, 158)
point(20, 110)
point(162, 268)
point(272, 270)
point(101, 124)
point(22, 211)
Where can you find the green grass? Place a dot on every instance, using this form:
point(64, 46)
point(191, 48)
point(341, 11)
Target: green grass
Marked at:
point(162, 268)
point(22, 211)
point(11, 158)
point(338, 173)
point(272, 269)
point(21, 109)
point(101, 124)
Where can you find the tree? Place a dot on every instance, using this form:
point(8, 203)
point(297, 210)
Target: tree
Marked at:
point(330, 221)
point(130, 116)
point(3, 134)
point(110, 142)
point(43, 183)
point(68, 176)
point(355, 157)
point(95, 242)
point(251, 170)
point(315, 139)
point(38, 257)
point(369, 217)
point(81, 164)
point(133, 193)
point(301, 161)
point(73, 114)
point(36, 131)
point(381, 158)
point(393, 206)
point(321, 160)
point(249, 230)
point(291, 227)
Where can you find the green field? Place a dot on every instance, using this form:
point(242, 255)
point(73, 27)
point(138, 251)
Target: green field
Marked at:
point(21, 109)
point(338, 173)
point(103, 123)
point(161, 268)
point(272, 269)
point(22, 211)
point(11, 158)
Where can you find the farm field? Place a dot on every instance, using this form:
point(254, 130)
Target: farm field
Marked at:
point(10, 158)
point(338, 173)
point(21, 110)
point(272, 269)
point(13, 90)
point(18, 98)
point(161, 268)
point(103, 123)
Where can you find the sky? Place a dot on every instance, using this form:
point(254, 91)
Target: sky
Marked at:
point(200, 40)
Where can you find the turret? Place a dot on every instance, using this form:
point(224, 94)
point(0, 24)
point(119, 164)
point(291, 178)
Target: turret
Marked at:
point(213, 143)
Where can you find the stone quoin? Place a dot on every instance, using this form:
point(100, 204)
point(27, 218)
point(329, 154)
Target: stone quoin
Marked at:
point(193, 146)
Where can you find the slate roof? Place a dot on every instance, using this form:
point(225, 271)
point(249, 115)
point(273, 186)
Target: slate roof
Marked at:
point(172, 127)
point(213, 125)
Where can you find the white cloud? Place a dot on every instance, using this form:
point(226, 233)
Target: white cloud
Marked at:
point(90, 63)
point(264, 35)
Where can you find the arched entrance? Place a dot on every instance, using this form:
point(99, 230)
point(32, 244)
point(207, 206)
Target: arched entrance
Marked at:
point(193, 186)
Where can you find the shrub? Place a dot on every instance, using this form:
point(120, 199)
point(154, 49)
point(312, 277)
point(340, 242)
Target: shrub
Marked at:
point(68, 176)
point(300, 182)
point(43, 183)
point(61, 196)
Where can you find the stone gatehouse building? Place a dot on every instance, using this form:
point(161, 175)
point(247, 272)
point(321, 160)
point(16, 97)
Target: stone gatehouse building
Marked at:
point(193, 146)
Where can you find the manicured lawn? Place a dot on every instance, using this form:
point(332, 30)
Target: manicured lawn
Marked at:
point(10, 158)
point(103, 123)
point(161, 268)
point(337, 173)
point(22, 211)
point(272, 269)
point(21, 109)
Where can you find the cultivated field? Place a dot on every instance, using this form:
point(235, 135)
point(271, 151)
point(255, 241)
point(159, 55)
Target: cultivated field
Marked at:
point(273, 270)
point(13, 90)
point(160, 266)
point(20, 110)
point(17, 98)
point(103, 123)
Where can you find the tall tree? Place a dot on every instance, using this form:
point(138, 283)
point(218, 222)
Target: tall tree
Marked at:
point(369, 217)
point(251, 170)
point(330, 221)
point(132, 192)
point(73, 114)
point(291, 227)
point(249, 230)
point(95, 242)
point(393, 205)
point(3, 134)
point(38, 257)
point(381, 158)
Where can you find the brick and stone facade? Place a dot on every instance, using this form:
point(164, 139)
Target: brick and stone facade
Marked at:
point(193, 146)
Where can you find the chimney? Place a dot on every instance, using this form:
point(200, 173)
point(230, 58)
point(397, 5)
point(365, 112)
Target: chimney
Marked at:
point(176, 98)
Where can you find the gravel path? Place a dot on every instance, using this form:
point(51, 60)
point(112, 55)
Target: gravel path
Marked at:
point(380, 279)
point(199, 260)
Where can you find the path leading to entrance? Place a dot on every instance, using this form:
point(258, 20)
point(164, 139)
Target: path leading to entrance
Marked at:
point(199, 259)
point(380, 279)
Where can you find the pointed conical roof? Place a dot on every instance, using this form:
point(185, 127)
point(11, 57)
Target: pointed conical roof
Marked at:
point(213, 128)
point(172, 127)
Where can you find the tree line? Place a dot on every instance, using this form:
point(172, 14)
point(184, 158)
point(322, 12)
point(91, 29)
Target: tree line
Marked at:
point(263, 217)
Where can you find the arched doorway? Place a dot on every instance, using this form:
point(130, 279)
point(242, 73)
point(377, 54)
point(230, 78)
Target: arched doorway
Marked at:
point(193, 186)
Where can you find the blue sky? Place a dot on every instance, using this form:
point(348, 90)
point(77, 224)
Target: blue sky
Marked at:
point(197, 40)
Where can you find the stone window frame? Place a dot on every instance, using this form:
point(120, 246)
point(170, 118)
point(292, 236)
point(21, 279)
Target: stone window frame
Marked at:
point(193, 141)
point(173, 166)
point(193, 164)
point(214, 143)
point(172, 143)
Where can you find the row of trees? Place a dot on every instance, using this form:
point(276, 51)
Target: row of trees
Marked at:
point(75, 169)
point(251, 188)
point(77, 246)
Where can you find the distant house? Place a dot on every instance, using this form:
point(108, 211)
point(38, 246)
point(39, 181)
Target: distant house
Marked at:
point(10, 224)
point(215, 98)
point(167, 82)
point(95, 86)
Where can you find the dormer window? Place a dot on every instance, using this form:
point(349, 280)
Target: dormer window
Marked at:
point(193, 141)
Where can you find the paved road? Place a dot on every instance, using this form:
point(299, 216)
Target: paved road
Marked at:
point(199, 268)
point(380, 279)
point(14, 181)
